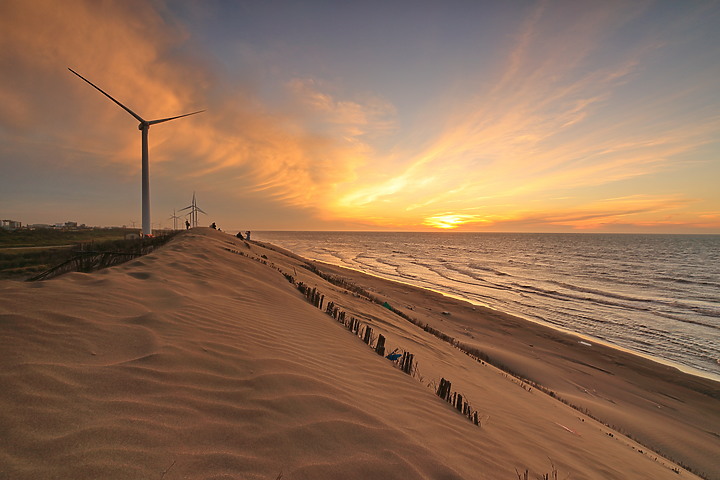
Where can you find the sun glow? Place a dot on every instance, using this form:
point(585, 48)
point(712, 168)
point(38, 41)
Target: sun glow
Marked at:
point(451, 221)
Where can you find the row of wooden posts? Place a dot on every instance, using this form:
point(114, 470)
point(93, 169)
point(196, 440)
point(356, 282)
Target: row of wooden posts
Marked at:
point(455, 399)
point(404, 361)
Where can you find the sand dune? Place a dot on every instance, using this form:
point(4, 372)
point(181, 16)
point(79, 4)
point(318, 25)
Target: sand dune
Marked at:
point(200, 361)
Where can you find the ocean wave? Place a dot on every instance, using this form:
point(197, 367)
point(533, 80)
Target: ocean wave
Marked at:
point(600, 293)
point(687, 281)
point(478, 266)
point(627, 303)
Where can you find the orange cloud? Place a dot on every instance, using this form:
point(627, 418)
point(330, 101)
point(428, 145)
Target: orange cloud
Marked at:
point(543, 128)
point(296, 153)
point(122, 46)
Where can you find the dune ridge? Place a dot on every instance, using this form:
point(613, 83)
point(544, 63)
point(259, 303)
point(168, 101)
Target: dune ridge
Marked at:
point(196, 362)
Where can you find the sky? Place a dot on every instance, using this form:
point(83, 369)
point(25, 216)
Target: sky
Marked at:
point(513, 116)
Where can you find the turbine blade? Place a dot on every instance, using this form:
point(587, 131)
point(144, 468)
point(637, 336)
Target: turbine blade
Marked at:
point(200, 210)
point(185, 208)
point(137, 117)
point(155, 122)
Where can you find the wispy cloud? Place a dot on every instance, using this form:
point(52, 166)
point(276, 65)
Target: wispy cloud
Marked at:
point(550, 123)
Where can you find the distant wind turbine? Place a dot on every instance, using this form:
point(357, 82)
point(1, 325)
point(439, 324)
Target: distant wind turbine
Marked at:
point(194, 209)
point(174, 219)
point(144, 127)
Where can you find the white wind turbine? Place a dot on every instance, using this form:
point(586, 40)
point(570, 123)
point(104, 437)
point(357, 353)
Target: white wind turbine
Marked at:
point(144, 127)
point(194, 209)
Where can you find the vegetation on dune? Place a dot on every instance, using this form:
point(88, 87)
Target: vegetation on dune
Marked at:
point(26, 253)
point(42, 237)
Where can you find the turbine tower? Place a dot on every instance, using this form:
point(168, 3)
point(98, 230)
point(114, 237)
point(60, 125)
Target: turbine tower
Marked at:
point(144, 127)
point(194, 209)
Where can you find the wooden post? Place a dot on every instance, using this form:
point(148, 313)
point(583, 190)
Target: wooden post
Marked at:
point(368, 333)
point(380, 348)
point(406, 362)
point(445, 390)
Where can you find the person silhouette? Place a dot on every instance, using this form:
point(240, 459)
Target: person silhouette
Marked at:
point(187, 225)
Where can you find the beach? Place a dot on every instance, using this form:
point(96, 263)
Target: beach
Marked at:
point(205, 359)
point(654, 295)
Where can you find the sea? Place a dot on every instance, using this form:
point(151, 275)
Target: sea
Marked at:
point(654, 295)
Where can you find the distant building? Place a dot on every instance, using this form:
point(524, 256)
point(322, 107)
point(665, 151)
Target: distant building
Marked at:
point(65, 225)
point(10, 224)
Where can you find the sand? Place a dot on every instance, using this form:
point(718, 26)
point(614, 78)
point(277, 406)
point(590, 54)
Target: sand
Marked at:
point(202, 361)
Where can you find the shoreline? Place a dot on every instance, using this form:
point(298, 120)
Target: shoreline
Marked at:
point(646, 329)
point(689, 370)
point(683, 369)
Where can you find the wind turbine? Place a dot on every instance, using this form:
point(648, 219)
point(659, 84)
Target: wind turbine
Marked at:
point(194, 209)
point(174, 219)
point(144, 127)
